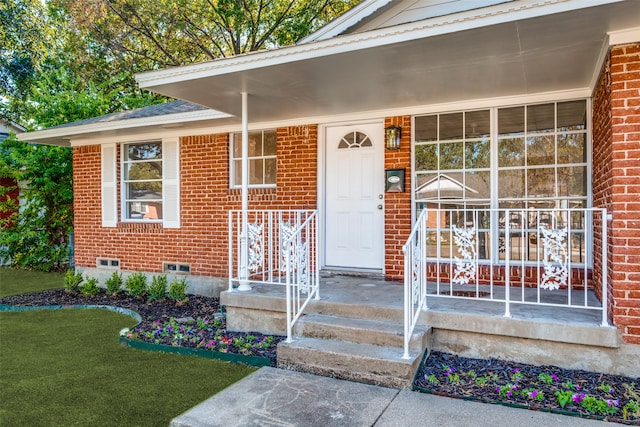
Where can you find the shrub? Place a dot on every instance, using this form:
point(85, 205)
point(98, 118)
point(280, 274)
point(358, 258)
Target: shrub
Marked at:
point(137, 284)
point(178, 290)
point(158, 288)
point(90, 287)
point(114, 283)
point(72, 281)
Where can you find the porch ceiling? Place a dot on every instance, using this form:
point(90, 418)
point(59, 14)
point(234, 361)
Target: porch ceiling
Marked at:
point(554, 52)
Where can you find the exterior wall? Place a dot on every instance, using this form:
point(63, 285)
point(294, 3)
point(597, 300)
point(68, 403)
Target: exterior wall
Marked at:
point(616, 181)
point(397, 213)
point(201, 240)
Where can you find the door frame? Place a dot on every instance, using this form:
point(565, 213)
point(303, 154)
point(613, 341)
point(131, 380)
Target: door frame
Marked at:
point(322, 193)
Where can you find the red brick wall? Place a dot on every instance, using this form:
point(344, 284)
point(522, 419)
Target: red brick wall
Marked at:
point(205, 200)
point(616, 160)
point(397, 206)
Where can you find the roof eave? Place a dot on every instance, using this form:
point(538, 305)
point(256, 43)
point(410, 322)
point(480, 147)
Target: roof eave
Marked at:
point(63, 135)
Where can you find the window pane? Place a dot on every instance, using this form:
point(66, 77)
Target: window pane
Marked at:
point(270, 143)
point(451, 126)
point(451, 155)
point(237, 172)
point(426, 128)
point(540, 150)
point(256, 171)
point(477, 124)
point(255, 144)
point(478, 185)
point(511, 183)
point(427, 186)
point(144, 190)
point(511, 152)
point(143, 171)
point(510, 121)
point(572, 148)
point(149, 151)
point(451, 185)
point(237, 146)
point(540, 118)
point(572, 182)
point(426, 157)
point(541, 182)
point(477, 154)
point(143, 210)
point(572, 115)
point(270, 171)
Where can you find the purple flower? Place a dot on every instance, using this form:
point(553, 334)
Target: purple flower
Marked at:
point(554, 377)
point(509, 393)
point(533, 394)
point(516, 370)
point(577, 398)
point(611, 403)
point(497, 389)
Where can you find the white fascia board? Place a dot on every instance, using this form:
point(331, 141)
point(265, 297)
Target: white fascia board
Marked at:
point(67, 132)
point(629, 35)
point(345, 21)
point(502, 13)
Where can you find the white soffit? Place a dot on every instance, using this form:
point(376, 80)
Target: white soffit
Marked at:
point(533, 47)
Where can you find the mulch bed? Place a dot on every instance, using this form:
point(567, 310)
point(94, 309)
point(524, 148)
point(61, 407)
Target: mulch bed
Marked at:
point(197, 306)
point(534, 387)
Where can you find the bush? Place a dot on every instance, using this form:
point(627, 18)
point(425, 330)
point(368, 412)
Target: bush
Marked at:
point(114, 283)
point(158, 288)
point(178, 290)
point(72, 281)
point(90, 287)
point(137, 284)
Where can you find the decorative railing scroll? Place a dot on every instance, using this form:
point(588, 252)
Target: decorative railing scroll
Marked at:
point(256, 246)
point(555, 260)
point(466, 265)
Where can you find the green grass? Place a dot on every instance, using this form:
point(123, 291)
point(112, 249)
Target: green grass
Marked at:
point(13, 282)
point(66, 367)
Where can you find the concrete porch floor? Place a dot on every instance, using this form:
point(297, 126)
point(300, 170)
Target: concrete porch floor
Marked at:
point(540, 335)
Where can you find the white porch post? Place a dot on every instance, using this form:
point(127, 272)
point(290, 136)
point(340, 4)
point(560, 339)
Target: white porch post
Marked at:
point(243, 283)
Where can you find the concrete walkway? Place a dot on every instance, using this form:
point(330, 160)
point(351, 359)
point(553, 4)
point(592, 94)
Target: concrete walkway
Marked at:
point(276, 397)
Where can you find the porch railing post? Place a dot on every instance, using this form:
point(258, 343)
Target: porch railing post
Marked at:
point(507, 267)
point(605, 272)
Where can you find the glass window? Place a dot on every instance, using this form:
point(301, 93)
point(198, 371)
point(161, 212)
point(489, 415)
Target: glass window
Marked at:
point(262, 159)
point(142, 181)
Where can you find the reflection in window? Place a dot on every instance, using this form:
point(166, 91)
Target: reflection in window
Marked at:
point(142, 181)
point(262, 159)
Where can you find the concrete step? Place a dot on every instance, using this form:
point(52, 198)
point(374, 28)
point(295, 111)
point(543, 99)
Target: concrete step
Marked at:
point(364, 331)
point(366, 363)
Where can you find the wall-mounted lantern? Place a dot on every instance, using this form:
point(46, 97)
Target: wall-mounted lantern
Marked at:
point(392, 136)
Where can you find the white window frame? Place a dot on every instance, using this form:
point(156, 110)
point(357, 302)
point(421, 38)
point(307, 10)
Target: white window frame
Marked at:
point(232, 161)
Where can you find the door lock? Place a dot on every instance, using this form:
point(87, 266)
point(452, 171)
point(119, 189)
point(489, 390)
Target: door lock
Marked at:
point(380, 207)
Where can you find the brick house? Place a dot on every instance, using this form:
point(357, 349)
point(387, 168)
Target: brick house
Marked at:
point(530, 110)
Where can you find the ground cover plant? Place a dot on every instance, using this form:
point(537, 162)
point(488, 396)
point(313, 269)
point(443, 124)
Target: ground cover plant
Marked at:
point(586, 394)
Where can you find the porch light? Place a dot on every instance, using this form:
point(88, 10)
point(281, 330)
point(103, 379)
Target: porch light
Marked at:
point(392, 136)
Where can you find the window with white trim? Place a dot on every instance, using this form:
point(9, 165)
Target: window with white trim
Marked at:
point(147, 189)
point(262, 159)
point(522, 158)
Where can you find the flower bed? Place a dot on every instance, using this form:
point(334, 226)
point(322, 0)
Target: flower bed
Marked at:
point(548, 388)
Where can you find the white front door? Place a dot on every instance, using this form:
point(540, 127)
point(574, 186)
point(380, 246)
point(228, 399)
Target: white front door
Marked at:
point(354, 196)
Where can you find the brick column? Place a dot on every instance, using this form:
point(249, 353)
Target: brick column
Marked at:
point(397, 206)
point(616, 181)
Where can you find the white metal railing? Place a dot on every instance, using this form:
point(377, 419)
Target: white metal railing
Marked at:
point(542, 257)
point(301, 267)
point(282, 249)
point(415, 279)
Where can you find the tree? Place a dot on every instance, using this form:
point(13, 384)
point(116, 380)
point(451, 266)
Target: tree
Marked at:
point(152, 34)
